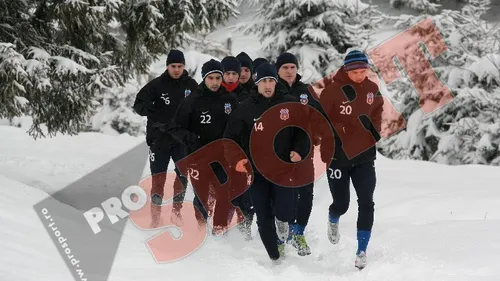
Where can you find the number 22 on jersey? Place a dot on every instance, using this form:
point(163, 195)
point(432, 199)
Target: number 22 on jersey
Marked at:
point(205, 118)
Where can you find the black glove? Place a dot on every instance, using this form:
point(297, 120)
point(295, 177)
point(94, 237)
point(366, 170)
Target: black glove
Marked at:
point(161, 127)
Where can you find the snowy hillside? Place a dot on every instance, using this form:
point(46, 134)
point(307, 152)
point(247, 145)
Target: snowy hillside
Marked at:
point(432, 222)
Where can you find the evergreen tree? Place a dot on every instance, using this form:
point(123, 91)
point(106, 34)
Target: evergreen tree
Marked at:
point(467, 130)
point(161, 25)
point(54, 57)
point(58, 59)
point(318, 32)
point(426, 6)
point(156, 26)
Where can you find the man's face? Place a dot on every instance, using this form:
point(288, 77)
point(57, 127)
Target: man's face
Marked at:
point(213, 81)
point(266, 87)
point(288, 72)
point(231, 77)
point(175, 70)
point(245, 75)
point(358, 75)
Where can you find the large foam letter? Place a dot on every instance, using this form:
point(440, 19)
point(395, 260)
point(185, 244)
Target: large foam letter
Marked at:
point(405, 47)
point(164, 247)
point(198, 166)
point(262, 142)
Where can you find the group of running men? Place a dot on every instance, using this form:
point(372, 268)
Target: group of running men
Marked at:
point(184, 116)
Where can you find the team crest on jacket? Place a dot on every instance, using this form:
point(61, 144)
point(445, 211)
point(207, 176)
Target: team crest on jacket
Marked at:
point(227, 108)
point(284, 114)
point(369, 98)
point(187, 92)
point(304, 99)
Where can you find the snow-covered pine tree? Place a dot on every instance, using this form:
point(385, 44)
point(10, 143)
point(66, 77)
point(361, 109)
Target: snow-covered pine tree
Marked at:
point(318, 32)
point(466, 131)
point(158, 26)
point(54, 57)
point(58, 59)
point(424, 6)
point(151, 29)
point(428, 6)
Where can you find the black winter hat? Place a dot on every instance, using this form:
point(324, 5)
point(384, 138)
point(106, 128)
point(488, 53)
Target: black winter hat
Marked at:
point(175, 56)
point(212, 66)
point(245, 61)
point(257, 62)
point(266, 70)
point(286, 58)
point(231, 63)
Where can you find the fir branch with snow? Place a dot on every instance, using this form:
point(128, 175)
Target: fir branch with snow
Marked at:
point(318, 32)
point(464, 131)
point(425, 6)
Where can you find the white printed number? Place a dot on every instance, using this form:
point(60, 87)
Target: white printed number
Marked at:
point(335, 174)
point(194, 174)
point(205, 119)
point(345, 110)
point(151, 156)
point(258, 126)
point(167, 100)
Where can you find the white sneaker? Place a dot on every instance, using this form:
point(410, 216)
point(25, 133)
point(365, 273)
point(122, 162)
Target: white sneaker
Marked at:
point(361, 260)
point(282, 230)
point(333, 232)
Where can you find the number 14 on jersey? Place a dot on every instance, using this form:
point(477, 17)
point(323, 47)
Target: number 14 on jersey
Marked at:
point(257, 126)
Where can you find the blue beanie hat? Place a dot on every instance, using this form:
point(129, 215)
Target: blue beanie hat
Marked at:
point(231, 64)
point(211, 66)
point(266, 70)
point(286, 58)
point(355, 60)
point(175, 56)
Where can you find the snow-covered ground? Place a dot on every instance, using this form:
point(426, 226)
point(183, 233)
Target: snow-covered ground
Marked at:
point(433, 222)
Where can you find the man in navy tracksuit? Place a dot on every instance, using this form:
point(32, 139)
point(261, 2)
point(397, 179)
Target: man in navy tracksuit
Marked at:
point(274, 203)
point(231, 78)
point(289, 82)
point(200, 120)
point(232, 83)
point(351, 82)
point(255, 64)
point(246, 79)
point(158, 100)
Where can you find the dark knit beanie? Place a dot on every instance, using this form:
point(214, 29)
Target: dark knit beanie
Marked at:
point(265, 70)
point(231, 64)
point(286, 58)
point(211, 66)
point(175, 56)
point(245, 61)
point(355, 60)
point(257, 62)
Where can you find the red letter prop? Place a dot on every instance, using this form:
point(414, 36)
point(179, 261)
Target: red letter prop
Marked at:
point(225, 185)
point(406, 48)
point(269, 128)
point(344, 103)
point(164, 247)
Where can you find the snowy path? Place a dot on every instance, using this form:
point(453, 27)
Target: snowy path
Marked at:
point(433, 222)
